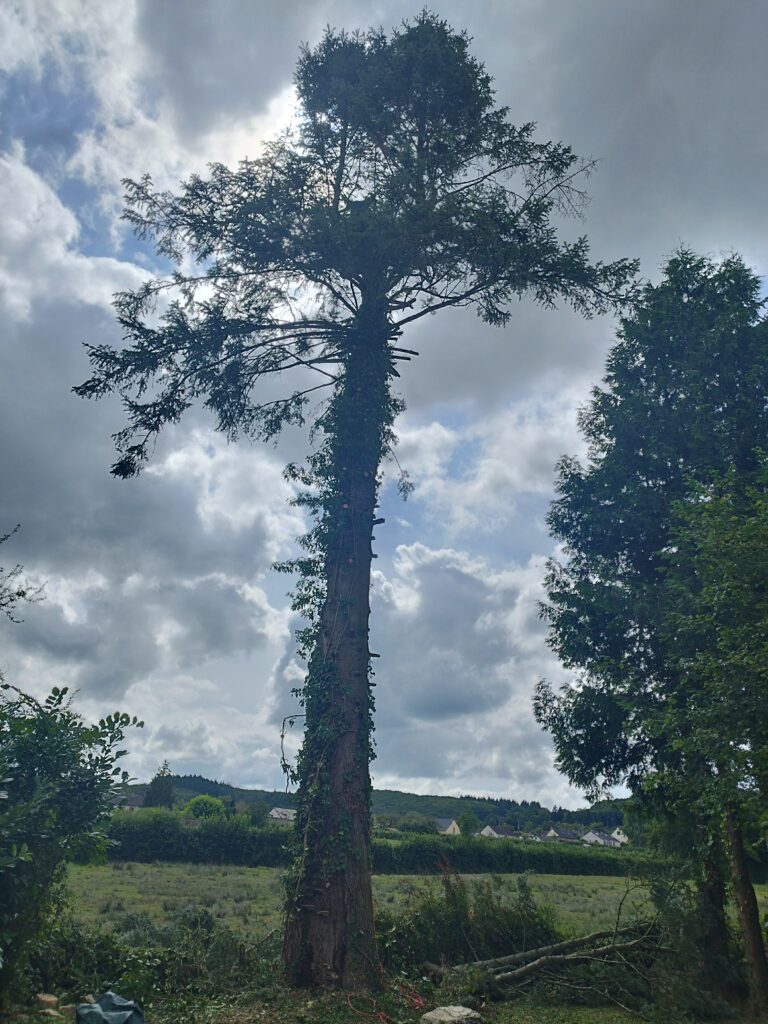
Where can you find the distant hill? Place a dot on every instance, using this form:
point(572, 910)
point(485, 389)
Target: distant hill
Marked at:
point(523, 815)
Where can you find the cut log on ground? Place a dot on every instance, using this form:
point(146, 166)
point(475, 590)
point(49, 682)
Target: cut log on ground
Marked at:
point(566, 946)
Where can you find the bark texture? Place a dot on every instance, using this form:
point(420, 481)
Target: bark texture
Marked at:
point(329, 935)
point(749, 917)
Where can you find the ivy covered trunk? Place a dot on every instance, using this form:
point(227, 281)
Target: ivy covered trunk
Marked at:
point(749, 915)
point(329, 935)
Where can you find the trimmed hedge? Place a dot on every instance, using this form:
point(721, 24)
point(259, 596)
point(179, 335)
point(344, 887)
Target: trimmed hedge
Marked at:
point(152, 835)
point(158, 835)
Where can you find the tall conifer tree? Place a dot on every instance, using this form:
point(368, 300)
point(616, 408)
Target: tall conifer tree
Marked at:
point(403, 191)
point(684, 401)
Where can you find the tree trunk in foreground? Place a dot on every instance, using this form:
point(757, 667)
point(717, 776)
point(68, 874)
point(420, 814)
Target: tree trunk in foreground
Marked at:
point(712, 896)
point(329, 932)
point(749, 917)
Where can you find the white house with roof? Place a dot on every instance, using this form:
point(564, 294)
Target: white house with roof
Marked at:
point(596, 838)
point(620, 835)
point(562, 835)
point(447, 826)
point(497, 832)
point(282, 815)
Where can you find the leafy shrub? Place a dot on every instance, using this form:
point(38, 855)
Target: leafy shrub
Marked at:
point(204, 806)
point(461, 922)
point(69, 956)
point(58, 775)
point(143, 960)
point(415, 822)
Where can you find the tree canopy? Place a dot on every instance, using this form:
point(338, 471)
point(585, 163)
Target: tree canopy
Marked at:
point(403, 179)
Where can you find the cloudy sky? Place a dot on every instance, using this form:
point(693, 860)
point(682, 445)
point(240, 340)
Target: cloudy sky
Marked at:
point(160, 599)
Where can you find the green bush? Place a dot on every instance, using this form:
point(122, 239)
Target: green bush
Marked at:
point(58, 776)
point(204, 806)
point(70, 956)
point(462, 922)
point(145, 961)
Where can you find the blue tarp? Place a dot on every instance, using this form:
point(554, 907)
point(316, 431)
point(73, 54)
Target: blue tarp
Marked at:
point(110, 1008)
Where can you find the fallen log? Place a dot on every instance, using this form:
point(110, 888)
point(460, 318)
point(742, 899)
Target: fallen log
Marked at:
point(565, 946)
point(560, 960)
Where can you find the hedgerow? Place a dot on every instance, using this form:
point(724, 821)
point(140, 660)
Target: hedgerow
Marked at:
point(159, 835)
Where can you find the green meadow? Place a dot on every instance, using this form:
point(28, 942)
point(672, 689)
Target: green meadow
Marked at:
point(248, 899)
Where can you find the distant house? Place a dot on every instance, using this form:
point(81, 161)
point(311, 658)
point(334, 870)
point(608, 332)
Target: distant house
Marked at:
point(562, 835)
point(129, 802)
point(530, 837)
point(498, 832)
point(282, 815)
point(620, 835)
point(447, 826)
point(595, 838)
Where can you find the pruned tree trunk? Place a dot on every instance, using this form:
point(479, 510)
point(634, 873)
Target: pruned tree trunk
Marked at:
point(329, 935)
point(749, 917)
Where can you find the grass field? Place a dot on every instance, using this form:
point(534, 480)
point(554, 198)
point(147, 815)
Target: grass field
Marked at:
point(248, 899)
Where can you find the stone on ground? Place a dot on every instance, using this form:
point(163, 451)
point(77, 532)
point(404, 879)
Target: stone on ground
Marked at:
point(452, 1015)
point(46, 1001)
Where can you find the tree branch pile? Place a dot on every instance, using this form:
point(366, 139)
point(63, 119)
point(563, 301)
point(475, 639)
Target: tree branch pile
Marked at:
point(519, 968)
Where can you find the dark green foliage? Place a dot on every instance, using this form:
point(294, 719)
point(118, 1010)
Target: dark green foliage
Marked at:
point(58, 776)
point(468, 823)
point(523, 815)
point(716, 602)
point(148, 836)
point(69, 956)
point(635, 608)
point(399, 175)
point(462, 921)
point(415, 822)
point(428, 854)
point(143, 961)
point(257, 814)
point(684, 400)
point(160, 792)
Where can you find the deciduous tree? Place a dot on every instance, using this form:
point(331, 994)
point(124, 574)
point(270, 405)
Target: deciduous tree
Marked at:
point(58, 777)
point(403, 191)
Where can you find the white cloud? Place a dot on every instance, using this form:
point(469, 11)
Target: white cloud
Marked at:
point(159, 589)
point(235, 487)
point(472, 478)
point(461, 649)
point(39, 259)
